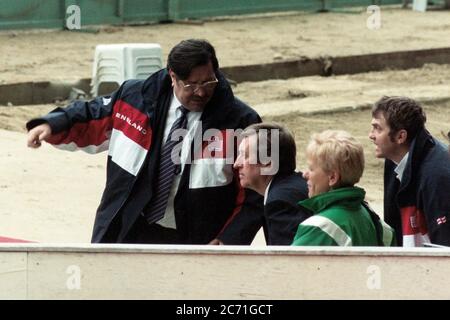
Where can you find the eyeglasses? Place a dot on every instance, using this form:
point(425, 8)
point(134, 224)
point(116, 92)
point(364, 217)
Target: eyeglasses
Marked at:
point(194, 87)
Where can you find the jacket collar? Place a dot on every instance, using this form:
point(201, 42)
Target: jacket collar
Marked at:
point(417, 151)
point(156, 85)
point(348, 195)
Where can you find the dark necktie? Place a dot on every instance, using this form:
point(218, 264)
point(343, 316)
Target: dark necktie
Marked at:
point(157, 207)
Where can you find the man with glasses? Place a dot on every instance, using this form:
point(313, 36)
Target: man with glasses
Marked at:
point(162, 186)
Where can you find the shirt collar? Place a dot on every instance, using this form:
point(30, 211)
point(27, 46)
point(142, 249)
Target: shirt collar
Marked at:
point(175, 102)
point(401, 167)
point(266, 193)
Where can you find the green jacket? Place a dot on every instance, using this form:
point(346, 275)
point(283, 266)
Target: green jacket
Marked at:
point(340, 219)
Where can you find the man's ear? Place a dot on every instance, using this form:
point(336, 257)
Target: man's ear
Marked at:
point(401, 136)
point(333, 178)
point(269, 169)
point(172, 76)
point(264, 167)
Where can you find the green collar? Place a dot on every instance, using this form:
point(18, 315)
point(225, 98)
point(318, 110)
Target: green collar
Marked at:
point(348, 195)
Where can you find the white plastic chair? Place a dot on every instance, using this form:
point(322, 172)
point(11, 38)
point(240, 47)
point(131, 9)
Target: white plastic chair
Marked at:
point(115, 63)
point(420, 5)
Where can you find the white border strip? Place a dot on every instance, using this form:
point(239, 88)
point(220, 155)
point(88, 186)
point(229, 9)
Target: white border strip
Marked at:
point(330, 228)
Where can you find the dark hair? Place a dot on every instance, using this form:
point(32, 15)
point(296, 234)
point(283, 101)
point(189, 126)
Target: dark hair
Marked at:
point(287, 148)
point(401, 113)
point(189, 54)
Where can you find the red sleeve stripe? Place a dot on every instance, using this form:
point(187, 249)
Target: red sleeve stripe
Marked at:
point(92, 133)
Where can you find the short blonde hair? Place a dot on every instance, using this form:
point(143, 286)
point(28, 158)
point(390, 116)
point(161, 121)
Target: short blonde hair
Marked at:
point(337, 150)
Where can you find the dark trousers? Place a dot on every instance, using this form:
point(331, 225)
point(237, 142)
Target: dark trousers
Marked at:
point(142, 232)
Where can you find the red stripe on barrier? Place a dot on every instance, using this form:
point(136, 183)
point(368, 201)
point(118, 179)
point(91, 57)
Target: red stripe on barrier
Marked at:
point(12, 240)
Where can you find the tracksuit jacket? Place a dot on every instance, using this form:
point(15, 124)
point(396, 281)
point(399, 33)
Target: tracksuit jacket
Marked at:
point(341, 218)
point(130, 125)
point(418, 208)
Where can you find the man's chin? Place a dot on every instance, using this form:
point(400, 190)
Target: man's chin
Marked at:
point(245, 185)
point(379, 155)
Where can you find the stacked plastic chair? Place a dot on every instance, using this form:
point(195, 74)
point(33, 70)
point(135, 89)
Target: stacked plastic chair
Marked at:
point(115, 63)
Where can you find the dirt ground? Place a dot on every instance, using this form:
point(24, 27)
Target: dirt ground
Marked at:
point(48, 195)
point(57, 55)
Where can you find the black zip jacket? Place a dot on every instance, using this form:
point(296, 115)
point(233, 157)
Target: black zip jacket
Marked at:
point(418, 208)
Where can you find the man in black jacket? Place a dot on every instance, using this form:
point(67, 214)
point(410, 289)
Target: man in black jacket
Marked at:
point(160, 189)
point(266, 164)
point(416, 173)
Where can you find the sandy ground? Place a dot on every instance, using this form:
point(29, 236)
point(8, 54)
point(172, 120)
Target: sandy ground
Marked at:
point(55, 55)
point(49, 195)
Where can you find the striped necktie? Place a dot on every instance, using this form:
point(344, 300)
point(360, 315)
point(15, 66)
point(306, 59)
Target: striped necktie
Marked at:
point(156, 209)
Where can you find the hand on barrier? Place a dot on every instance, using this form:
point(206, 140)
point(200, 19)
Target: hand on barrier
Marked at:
point(216, 242)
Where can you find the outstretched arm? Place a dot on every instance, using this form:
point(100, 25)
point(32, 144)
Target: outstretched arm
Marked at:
point(38, 134)
point(84, 125)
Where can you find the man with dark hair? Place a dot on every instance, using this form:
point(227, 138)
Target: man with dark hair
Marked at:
point(154, 192)
point(266, 164)
point(416, 173)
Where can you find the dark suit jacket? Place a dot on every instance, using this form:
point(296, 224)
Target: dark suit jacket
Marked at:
point(279, 218)
point(281, 212)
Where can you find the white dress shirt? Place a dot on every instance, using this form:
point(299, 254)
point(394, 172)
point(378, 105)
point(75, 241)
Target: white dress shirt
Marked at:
point(401, 167)
point(266, 193)
point(193, 121)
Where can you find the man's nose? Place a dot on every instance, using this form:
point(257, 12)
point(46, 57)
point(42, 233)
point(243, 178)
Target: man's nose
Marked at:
point(200, 91)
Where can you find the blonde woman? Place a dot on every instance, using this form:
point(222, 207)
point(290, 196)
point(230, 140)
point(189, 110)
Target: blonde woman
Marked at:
point(340, 217)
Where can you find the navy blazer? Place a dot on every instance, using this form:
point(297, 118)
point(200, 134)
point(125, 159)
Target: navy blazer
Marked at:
point(279, 218)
